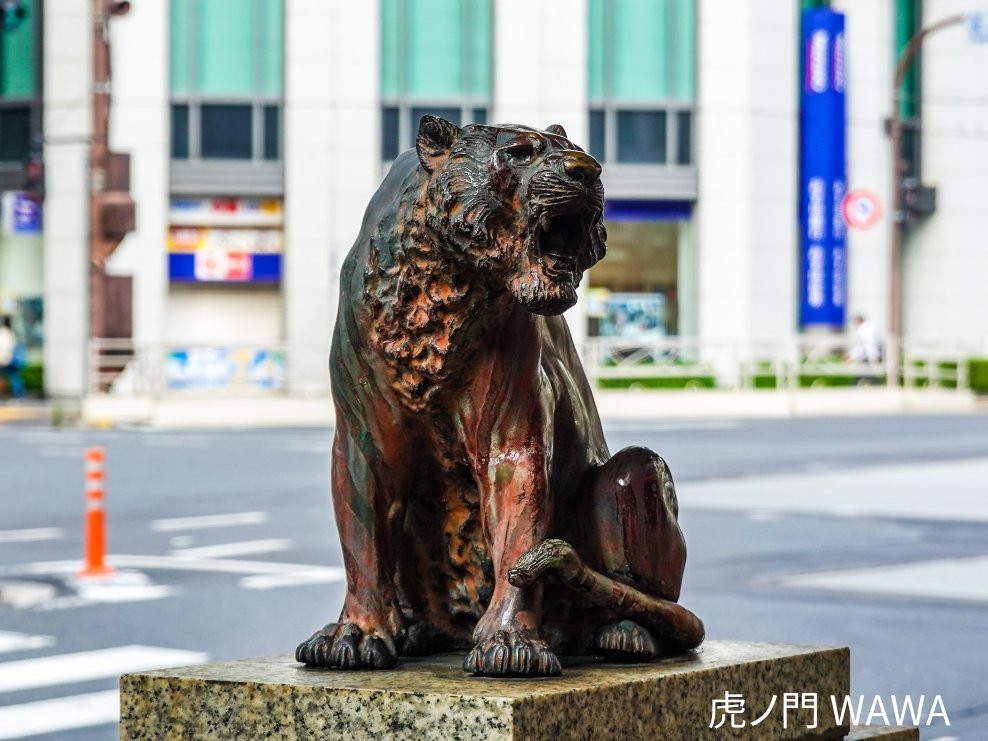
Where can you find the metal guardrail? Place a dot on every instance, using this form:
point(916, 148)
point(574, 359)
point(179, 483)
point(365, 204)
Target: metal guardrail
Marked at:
point(123, 368)
point(802, 362)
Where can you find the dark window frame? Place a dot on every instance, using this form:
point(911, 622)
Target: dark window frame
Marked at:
point(469, 106)
point(258, 102)
point(32, 103)
point(605, 111)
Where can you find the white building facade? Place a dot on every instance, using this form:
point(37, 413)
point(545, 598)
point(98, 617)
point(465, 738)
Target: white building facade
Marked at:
point(259, 129)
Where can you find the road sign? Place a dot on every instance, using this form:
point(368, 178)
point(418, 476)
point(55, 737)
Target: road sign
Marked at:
point(977, 27)
point(861, 209)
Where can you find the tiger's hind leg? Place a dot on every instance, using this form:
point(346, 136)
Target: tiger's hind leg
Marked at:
point(631, 534)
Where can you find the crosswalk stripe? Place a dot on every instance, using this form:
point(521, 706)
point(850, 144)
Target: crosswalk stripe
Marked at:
point(228, 550)
point(88, 665)
point(30, 534)
point(207, 521)
point(10, 641)
point(60, 714)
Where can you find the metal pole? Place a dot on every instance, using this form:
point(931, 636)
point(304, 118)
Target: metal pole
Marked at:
point(898, 205)
point(98, 152)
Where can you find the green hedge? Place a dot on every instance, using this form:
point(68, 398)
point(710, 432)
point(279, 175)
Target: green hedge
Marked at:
point(34, 378)
point(670, 382)
point(977, 374)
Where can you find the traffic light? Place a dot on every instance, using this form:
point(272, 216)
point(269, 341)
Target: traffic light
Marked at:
point(12, 14)
point(918, 200)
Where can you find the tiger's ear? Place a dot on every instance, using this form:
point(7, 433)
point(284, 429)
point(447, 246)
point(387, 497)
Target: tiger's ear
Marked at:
point(557, 130)
point(434, 140)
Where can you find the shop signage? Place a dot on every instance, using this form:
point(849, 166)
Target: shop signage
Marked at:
point(20, 214)
point(823, 171)
point(223, 369)
point(224, 255)
point(226, 212)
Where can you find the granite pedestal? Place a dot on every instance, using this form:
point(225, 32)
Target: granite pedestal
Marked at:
point(431, 698)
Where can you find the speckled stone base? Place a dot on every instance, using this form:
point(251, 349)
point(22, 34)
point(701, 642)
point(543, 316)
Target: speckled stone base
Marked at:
point(883, 733)
point(431, 698)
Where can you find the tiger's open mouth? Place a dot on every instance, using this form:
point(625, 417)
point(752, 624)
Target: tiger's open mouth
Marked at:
point(564, 241)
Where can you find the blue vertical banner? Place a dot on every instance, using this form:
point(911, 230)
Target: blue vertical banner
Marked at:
point(822, 171)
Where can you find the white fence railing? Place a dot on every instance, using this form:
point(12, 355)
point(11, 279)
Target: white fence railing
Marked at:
point(803, 362)
point(123, 368)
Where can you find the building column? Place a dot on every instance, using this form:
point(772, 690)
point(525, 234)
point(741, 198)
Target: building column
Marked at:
point(332, 167)
point(541, 79)
point(67, 127)
point(747, 150)
point(869, 48)
point(139, 126)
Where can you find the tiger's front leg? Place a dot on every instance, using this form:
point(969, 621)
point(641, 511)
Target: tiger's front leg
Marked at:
point(369, 474)
point(516, 511)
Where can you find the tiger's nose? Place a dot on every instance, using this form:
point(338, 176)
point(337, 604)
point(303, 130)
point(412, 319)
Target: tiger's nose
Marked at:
point(581, 167)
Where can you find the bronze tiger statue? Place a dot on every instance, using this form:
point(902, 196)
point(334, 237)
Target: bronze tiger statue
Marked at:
point(468, 462)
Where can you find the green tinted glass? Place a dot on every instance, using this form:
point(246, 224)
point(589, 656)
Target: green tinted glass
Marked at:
point(17, 57)
point(227, 47)
point(907, 24)
point(640, 50)
point(479, 38)
point(179, 51)
point(596, 24)
point(390, 48)
point(435, 48)
point(272, 49)
point(682, 42)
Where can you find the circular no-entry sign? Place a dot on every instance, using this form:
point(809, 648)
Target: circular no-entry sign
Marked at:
point(861, 209)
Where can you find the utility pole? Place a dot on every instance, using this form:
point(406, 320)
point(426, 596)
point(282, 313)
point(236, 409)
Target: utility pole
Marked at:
point(111, 209)
point(898, 210)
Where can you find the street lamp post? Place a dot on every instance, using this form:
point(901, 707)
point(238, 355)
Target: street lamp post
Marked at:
point(898, 200)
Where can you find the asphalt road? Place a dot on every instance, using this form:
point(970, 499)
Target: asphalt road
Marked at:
point(267, 569)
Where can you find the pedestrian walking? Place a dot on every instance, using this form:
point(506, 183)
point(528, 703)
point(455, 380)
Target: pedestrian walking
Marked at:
point(867, 350)
point(12, 358)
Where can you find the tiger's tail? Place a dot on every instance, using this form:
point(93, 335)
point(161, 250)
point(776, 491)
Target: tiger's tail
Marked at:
point(666, 619)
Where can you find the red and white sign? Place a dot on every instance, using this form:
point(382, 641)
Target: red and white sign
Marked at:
point(861, 209)
point(217, 265)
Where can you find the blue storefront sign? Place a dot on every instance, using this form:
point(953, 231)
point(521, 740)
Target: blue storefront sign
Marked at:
point(20, 214)
point(823, 171)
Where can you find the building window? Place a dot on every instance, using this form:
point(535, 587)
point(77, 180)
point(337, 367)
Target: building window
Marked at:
point(642, 80)
point(436, 59)
point(227, 70)
point(19, 100)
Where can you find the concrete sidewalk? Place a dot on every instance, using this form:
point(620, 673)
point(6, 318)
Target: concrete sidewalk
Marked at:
point(287, 411)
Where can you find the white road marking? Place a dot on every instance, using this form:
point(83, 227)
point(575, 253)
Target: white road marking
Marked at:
point(10, 641)
point(181, 541)
point(946, 490)
point(60, 714)
point(22, 594)
point(84, 666)
point(617, 425)
point(30, 534)
point(229, 550)
point(207, 521)
point(323, 575)
point(948, 578)
point(257, 574)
